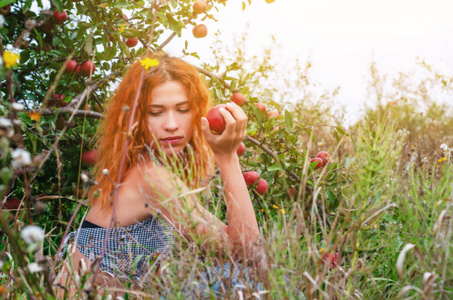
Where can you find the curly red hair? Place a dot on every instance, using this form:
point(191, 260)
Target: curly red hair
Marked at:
point(114, 125)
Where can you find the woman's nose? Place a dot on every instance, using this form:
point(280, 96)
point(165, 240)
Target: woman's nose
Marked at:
point(171, 123)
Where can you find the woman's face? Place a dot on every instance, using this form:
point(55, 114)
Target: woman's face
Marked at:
point(170, 117)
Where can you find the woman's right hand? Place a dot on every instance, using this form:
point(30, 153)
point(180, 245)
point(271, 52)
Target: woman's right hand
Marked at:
point(226, 144)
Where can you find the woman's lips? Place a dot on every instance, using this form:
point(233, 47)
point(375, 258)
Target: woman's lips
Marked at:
point(172, 140)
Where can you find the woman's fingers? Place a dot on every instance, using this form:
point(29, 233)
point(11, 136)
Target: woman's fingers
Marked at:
point(235, 118)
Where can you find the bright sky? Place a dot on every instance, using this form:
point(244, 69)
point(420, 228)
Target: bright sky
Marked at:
point(341, 37)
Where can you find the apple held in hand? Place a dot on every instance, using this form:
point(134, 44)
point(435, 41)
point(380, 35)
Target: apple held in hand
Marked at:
point(261, 186)
point(241, 149)
point(325, 156)
point(238, 98)
point(318, 160)
point(200, 31)
point(59, 18)
point(216, 121)
point(250, 177)
point(89, 157)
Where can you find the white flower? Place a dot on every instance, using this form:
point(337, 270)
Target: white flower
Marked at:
point(4, 122)
point(84, 177)
point(21, 158)
point(105, 172)
point(444, 147)
point(17, 106)
point(32, 234)
point(34, 267)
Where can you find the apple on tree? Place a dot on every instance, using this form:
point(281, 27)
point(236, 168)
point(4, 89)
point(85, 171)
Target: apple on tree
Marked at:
point(89, 157)
point(71, 66)
point(238, 98)
point(132, 42)
point(87, 68)
point(59, 18)
point(261, 106)
point(250, 177)
point(261, 186)
point(324, 156)
point(200, 31)
point(273, 114)
point(241, 149)
point(199, 6)
point(318, 162)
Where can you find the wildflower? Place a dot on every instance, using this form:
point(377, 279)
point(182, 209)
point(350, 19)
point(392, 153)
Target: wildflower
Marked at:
point(34, 267)
point(123, 26)
point(34, 116)
point(444, 147)
point(84, 177)
point(4, 122)
point(321, 250)
point(275, 206)
point(105, 172)
point(32, 234)
point(10, 58)
point(282, 211)
point(439, 160)
point(444, 159)
point(262, 210)
point(17, 106)
point(149, 62)
point(21, 158)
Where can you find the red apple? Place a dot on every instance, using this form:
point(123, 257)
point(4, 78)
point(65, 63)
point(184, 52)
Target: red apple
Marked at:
point(261, 106)
point(332, 260)
point(12, 203)
point(58, 100)
point(216, 121)
point(325, 156)
point(292, 191)
point(317, 159)
point(238, 98)
point(132, 42)
point(261, 186)
point(89, 157)
point(273, 114)
point(241, 149)
point(199, 6)
point(60, 18)
point(71, 66)
point(250, 177)
point(200, 31)
point(87, 68)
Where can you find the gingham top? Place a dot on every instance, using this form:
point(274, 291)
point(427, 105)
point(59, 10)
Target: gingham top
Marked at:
point(130, 250)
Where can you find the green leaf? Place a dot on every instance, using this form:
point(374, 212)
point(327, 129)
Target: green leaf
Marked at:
point(174, 25)
point(274, 168)
point(122, 4)
point(288, 121)
point(38, 36)
point(6, 2)
point(25, 117)
point(24, 56)
point(27, 5)
point(258, 114)
point(89, 45)
point(59, 5)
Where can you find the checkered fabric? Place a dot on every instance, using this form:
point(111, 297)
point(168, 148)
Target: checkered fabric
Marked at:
point(130, 250)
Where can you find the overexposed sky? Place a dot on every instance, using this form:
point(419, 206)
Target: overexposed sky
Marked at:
point(341, 37)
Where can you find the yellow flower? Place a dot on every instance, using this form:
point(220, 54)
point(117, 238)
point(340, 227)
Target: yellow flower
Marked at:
point(123, 26)
point(149, 62)
point(444, 159)
point(34, 116)
point(10, 58)
point(321, 250)
point(439, 160)
point(275, 206)
point(282, 211)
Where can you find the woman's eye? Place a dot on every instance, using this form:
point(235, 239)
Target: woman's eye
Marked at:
point(155, 113)
point(184, 110)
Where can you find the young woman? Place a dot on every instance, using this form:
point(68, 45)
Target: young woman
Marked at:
point(153, 201)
